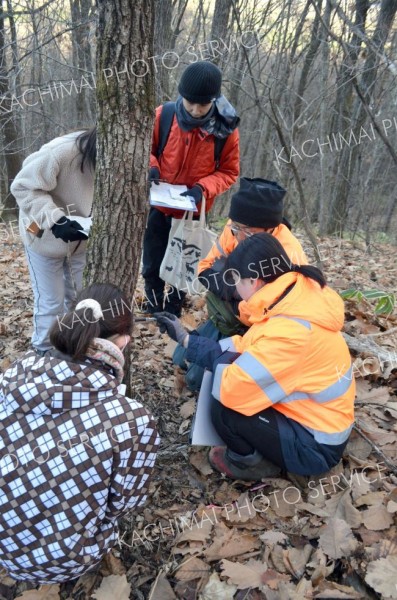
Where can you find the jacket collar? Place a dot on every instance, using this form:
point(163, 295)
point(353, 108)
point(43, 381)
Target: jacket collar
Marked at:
point(263, 304)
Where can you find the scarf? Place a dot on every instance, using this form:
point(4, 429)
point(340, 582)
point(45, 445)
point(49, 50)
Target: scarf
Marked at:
point(220, 121)
point(109, 354)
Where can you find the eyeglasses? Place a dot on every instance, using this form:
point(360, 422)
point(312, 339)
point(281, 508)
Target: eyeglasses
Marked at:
point(235, 229)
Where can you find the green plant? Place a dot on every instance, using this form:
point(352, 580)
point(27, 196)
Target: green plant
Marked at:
point(385, 300)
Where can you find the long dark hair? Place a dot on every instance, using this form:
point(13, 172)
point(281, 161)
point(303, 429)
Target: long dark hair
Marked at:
point(261, 256)
point(86, 143)
point(73, 332)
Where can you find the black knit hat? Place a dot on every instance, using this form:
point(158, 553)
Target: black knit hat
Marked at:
point(258, 203)
point(200, 82)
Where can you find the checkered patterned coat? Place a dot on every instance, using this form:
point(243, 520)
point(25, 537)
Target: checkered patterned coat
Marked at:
point(74, 455)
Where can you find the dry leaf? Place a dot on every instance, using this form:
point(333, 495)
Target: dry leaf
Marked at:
point(229, 542)
point(192, 568)
point(366, 394)
point(377, 518)
point(391, 506)
point(161, 589)
point(240, 511)
point(46, 592)
point(215, 589)
point(296, 559)
point(112, 587)
point(381, 576)
point(244, 576)
point(337, 539)
point(110, 565)
point(195, 528)
point(340, 506)
point(273, 537)
point(200, 461)
point(188, 409)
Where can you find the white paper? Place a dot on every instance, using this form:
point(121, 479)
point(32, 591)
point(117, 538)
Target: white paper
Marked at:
point(169, 196)
point(203, 431)
point(85, 222)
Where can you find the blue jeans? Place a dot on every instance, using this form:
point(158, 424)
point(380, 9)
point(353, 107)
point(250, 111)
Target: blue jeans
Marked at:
point(53, 282)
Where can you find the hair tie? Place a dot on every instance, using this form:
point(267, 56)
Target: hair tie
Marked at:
point(295, 268)
point(94, 305)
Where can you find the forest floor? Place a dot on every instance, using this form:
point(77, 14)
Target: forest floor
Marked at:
point(202, 536)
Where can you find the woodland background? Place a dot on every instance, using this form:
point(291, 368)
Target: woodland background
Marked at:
point(313, 81)
point(315, 77)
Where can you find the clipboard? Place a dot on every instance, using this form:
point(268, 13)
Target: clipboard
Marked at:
point(203, 432)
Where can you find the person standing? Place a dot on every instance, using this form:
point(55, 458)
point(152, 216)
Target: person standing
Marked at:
point(202, 118)
point(54, 184)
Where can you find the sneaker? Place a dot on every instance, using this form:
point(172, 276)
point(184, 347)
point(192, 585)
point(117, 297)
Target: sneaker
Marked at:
point(220, 461)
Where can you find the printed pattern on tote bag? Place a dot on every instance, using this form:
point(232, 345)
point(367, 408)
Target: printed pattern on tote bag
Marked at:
point(188, 242)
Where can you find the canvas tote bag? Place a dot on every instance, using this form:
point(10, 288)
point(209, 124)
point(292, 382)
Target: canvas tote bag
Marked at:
point(188, 242)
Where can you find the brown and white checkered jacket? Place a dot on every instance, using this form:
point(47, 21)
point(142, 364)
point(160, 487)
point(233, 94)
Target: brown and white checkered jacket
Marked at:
point(74, 455)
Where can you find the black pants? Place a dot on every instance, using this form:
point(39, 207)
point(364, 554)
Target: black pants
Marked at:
point(244, 434)
point(154, 246)
point(279, 439)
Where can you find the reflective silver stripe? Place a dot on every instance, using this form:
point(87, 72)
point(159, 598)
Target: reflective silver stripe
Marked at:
point(306, 324)
point(227, 344)
point(332, 439)
point(335, 390)
point(216, 388)
point(221, 250)
point(262, 377)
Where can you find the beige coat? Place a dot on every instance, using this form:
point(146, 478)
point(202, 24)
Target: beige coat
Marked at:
point(50, 185)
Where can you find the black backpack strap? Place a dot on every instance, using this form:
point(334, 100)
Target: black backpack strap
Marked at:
point(218, 147)
point(166, 118)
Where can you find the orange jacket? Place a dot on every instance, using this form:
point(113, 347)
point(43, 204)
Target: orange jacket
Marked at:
point(227, 242)
point(293, 358)
point(188, 158)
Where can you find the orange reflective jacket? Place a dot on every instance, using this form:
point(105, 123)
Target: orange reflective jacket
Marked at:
point(227, 242)
point(189, 159)
point(293, 358)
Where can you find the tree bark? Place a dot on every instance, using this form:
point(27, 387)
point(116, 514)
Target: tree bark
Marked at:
point(9, 132)
point(125, 120)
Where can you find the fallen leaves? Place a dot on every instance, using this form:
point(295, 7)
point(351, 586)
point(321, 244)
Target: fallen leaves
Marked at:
point(381, 576)
point(46, 592)
point(112, 587)
point(337, 539)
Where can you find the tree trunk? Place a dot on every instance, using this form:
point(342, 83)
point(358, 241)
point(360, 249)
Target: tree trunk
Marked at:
point(8, 128)
point(80, 10)
point(125, 121)
point(349, 157)
point(220, 29)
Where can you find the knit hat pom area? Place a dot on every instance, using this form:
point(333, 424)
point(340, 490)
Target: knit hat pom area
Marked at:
point(200, 83)
point(258, 203)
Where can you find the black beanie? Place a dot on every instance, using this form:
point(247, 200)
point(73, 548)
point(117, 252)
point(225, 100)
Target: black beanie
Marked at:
point(200, 83)
point(258, 203)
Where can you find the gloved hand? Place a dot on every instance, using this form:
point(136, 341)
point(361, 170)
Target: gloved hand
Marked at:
point(154, 175)
point(68, 231)
point(195, 192)
point(169, 323)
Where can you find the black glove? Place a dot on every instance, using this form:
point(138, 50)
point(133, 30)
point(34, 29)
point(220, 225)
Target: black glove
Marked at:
point(195, 192)
point(154, 175)
point(68, 231)
point(169, 323)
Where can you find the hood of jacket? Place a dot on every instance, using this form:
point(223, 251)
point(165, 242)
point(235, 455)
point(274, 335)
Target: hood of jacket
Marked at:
point(306, 300)
point(51, 385)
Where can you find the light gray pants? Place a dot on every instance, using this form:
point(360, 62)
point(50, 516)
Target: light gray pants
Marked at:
point(53, 281)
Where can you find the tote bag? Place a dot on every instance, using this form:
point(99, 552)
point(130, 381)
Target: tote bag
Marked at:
point(188, 242)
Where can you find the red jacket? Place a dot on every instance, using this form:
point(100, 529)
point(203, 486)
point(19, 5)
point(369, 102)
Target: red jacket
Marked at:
point(188, 158)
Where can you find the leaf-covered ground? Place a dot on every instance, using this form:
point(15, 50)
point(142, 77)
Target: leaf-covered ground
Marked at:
point(202, 536)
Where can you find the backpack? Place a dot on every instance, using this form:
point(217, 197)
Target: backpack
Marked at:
point(220, 312)
point(166, 118)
